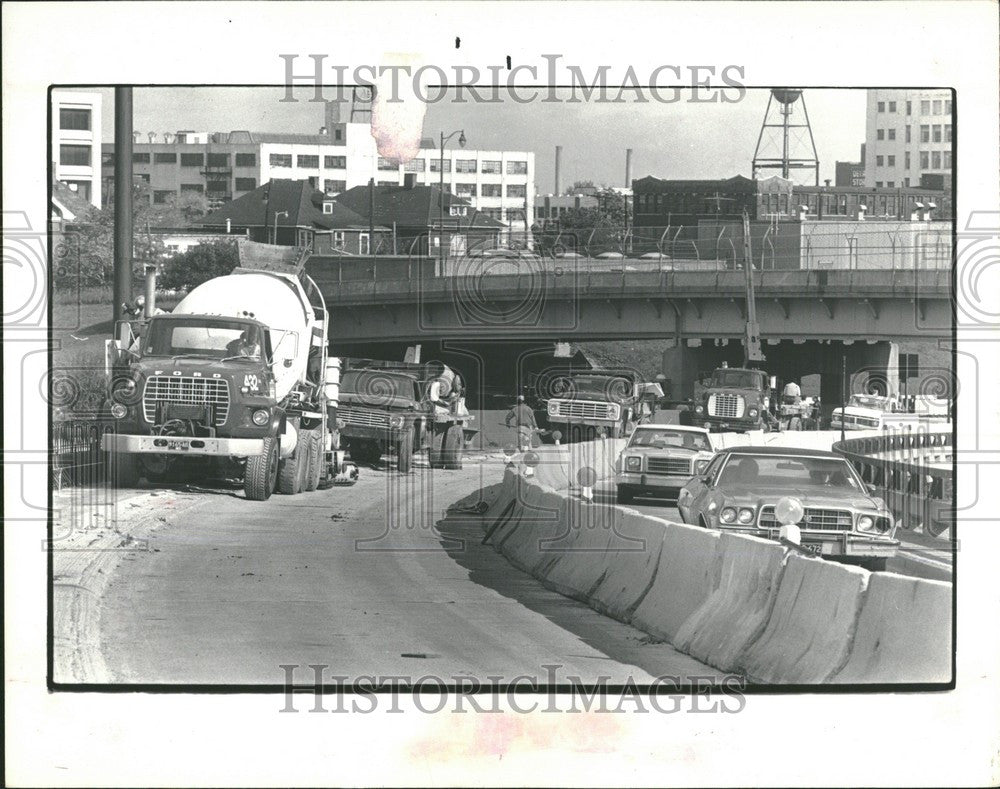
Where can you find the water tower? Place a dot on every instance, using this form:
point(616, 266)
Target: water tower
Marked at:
point(786, 140)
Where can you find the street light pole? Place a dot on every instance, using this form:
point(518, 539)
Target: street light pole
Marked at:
point(461, 142)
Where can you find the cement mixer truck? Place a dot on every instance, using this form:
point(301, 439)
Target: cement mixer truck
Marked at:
point(237, 375)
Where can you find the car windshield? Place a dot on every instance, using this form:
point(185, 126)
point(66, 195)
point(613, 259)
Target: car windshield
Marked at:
point(784, 470)
point(614, 388)
point(665, 438)
point(736, 379)
point(215, 339)
point(869, 401)
point(377, 387)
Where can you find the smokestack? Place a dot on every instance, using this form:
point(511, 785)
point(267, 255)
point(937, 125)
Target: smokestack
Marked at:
point(558, 158)
point(332, 115)
point(628, 168)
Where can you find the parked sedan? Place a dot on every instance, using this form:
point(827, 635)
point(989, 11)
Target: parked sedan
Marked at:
point(659, 459)
point(841, 519)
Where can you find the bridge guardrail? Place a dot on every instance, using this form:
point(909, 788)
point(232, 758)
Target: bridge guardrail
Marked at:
point(920, 495)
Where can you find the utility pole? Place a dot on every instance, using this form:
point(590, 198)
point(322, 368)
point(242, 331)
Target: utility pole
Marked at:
point(122, 289)
point(751, 337)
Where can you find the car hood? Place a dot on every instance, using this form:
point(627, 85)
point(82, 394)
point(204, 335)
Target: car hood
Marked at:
point(809, 496)
point(853, 410)
point(668, 452)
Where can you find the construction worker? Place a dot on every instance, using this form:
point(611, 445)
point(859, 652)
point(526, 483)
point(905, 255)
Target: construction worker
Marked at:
point(524, 418)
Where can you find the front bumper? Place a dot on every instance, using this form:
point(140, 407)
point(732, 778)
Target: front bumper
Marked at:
point(369, 433)
point(652, 483)
point(717, 424)
point(182, 445)
point(833, 544)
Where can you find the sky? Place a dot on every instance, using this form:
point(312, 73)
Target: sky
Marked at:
point(676, 140)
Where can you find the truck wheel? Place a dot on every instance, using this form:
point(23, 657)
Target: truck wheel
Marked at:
point(435, 451)
point(290, 469)
point(451, 453)
point(795, 423)
point(315, 459)
point(262, 472)
point(404, 452)
point(124, 468)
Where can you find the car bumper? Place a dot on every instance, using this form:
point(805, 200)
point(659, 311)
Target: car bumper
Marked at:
point(717, 425)
point(651, 483)
point(833, 544)
point(182, 445)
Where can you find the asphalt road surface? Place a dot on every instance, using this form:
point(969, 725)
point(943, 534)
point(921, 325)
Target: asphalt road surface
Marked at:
point(368, 580)
point(920, 556)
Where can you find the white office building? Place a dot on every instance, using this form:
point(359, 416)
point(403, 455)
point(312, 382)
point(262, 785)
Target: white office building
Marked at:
point(76, 141)
point(908, 138)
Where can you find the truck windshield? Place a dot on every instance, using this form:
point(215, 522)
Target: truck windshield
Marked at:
point(736, 379)
point(198, 336)
point(615, 389)
point(377, 387)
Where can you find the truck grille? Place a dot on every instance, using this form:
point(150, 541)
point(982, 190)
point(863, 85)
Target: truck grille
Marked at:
point(585, 409)
point(362, 417)
point(672, 466)
point(726, 406)
point(185, 390)
point(815, 519)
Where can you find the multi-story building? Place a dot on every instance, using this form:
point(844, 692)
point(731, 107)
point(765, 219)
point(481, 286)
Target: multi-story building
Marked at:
point(908, 134)
point(76, 135)
point(226, 165)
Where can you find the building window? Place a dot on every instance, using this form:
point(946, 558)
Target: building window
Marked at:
point(334, 187)
point(783, 203)
point(218, 160)
point(517, 168)
point(335, 162)
point(947, 132)
point(937, 107)
point(141, 178)
point(199, 188)
point(338, 134)
point(906, 160)
point(465, 190)
point(937, 132)
point(906, 182)
point(162, 196)
point(514, 214)
point(925, 160)
point(364, 244)
point(892, 134)
point(892, 106)
point(891, 184)
point(387, 164)
point(313, 181)
point(908, 134)
point(338, 239)
point(246, 160)
point(947, 107)
point(458, 210)
point(881, 106)
point(947, 160)
point(218, 188)
point(165, 158)
point(936, 160)
point(880, 134)
point(909, 108)
point(192, 160)
point(890, 160)
point(140, 158)
point(878, 184)
point(108, 159)
point(281, 160)
point(925, 107)
point(436, 165)
point(327, 208)
point(308, 161)
point(76, 155)
point(388, 183)
point(246, 184)
point(925, 133)
point(74, 119)
point(492, 167)
point(415, 166)
point(879, 161)
point(492, 190)
point(465, 165)
point(517, 190)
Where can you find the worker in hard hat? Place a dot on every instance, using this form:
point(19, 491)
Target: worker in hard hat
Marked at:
point(791, 394)
point(524, 419)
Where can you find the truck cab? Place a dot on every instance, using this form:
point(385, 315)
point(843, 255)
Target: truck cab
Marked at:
point(736, 399)
point(588, 402)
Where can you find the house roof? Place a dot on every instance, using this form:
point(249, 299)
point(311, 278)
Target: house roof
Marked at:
point(69, 203)
point(416, 206)
point(302, 202)
point(737, 181)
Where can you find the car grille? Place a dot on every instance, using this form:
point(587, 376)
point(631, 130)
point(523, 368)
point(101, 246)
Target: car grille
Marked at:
point(859, 421)
point(672, 466)
point(814, 519)
point(185, 390)
point(362, 417)
point(727, 406)
point(585, 409)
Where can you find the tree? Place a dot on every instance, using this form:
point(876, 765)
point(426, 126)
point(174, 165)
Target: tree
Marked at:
point(199, 264)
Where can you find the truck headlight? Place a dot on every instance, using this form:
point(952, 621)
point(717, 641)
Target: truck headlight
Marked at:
point(698, 409)
point(118, 411)
point(633, 464)
point(396, 422)
point(728, 515)
point(745, 515)
point(552, 408)
point(261, 417)
point(866, 523)
point(753, 413)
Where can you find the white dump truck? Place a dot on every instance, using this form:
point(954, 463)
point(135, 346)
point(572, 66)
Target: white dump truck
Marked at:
point(239, 375)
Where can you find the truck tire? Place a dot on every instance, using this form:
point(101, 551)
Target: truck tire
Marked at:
point(315, 464)
point(404, 452)
point(435, 452)
point(290, 469)
point(262, 472)
point(124, 469)
point(454, 443)
point(795, 423)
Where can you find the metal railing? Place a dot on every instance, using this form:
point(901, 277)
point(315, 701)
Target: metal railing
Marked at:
point(77, 459)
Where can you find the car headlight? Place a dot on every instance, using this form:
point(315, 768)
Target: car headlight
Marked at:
point(396, 421)
point(882, 525)
point(866, 523)
point(118, 411)
point(700, 466)
point(633, 464)
point(261, 416)
point(728, 515)
point(698, 409)
point(753, 413)
point(745, 515)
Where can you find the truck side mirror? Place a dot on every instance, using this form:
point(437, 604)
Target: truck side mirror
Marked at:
point(287, 363)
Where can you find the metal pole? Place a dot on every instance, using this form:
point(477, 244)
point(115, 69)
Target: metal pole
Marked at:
point(122, 291)
point(371, 217)
point(441, 211)
point(843, 393)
